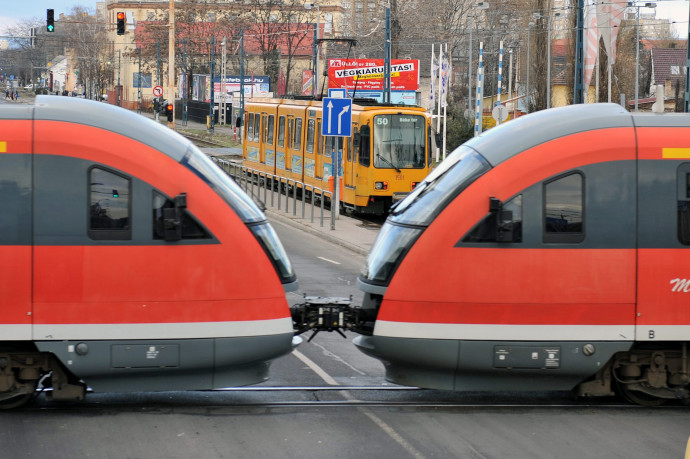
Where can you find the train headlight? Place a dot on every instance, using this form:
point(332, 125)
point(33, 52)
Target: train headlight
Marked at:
point(390, 247)
point(380, 186)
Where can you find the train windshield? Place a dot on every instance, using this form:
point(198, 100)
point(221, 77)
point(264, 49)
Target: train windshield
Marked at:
point(399, 141)
point(454, 174)
point(205, 168)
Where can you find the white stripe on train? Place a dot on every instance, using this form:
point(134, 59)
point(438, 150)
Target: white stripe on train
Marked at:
point(147, 331)
point(548, 332)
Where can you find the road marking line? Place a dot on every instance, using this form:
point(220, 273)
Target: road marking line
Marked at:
point(366, 411)
point(330, 261)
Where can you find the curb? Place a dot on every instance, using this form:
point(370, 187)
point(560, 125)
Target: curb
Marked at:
point(322, 234)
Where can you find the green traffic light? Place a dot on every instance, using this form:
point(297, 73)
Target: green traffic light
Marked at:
point(51, 28)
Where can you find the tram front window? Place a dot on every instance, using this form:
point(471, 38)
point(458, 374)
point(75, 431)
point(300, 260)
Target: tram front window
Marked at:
point(399, 141)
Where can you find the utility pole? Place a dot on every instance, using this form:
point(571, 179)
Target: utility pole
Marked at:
point(213, 58)
point(387, 61)
point(118, 77)
point(223, 91)
point(139, 90)
point(171, 62)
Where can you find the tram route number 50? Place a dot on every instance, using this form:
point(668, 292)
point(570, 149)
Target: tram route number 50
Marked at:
point(337, 117)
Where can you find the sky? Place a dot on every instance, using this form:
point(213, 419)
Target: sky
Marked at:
point(12, 11)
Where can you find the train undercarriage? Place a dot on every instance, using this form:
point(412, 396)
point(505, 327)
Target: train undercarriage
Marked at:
point(23, 370)
point(648, 374)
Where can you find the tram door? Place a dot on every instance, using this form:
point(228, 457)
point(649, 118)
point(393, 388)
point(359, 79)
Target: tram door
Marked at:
point(349, 160)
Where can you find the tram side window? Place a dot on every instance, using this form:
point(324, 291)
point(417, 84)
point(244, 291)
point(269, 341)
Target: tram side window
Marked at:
point(311, 126)
point(297, 142)
point(364, 152)
point(281, 131)
point(486, 230)
point(684, 204)
point(257, 120)
point(250, 127)
point(191, 229)
point(264, 132)
point(109, 205)
point(564, 209)
point(271, 122)
point(290, 131)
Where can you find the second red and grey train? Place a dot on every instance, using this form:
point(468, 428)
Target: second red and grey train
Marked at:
point(548, 253)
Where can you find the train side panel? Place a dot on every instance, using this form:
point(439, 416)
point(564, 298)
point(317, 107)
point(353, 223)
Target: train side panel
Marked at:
point(663, 312)
point(15, 230)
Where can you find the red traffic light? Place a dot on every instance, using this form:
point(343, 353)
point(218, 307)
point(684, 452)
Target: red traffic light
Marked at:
point(120, 23)
point(169, 107)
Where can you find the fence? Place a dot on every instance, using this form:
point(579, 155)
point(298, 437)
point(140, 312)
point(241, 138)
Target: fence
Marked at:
point(248, 178)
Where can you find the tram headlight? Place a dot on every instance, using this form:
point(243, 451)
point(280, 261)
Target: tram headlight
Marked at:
point(380, 186)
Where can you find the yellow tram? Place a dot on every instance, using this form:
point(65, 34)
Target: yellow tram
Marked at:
point(388, 153)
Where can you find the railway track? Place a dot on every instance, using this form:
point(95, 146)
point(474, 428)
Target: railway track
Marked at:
point(335, 396)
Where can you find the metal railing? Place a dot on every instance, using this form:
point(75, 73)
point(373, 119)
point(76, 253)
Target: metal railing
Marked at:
point(248, 178)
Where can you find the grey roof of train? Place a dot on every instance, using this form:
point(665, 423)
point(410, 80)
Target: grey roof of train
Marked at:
point(505, 141)
point(103, 116)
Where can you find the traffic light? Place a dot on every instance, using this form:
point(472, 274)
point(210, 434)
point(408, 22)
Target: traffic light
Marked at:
point(169, 112)
point(50, 20)
point(120, 23)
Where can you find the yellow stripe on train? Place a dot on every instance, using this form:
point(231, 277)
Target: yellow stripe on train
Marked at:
point(675, 153)
point(3, 147)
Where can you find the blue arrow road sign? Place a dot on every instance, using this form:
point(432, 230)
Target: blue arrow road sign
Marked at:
point(337, 117)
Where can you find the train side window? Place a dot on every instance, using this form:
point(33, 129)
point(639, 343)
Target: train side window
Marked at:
point(364, 152)
point(281, 131)
point(191, 229)
point(271, 122)
point(684, 204)
point(109, 205)
point(563, 218)
point(297, 142)
point(257, 121)
point(311, 126)
point(250, 127)
point(485, 230)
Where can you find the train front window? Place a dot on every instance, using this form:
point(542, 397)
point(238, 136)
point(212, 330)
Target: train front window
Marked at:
point(210, 173)
point(399, 141)
point(454, 174)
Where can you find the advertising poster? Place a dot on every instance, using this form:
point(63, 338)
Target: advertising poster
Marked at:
point(367, 74)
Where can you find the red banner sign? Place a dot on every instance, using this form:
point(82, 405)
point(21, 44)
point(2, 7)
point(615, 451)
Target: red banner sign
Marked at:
point(367, 74)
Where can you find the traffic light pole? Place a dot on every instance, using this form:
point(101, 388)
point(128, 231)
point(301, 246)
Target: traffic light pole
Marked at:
point(171, 62)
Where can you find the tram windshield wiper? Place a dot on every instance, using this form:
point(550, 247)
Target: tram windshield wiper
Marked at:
point(378, 155)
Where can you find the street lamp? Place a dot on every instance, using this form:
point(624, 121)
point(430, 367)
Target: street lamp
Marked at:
point(309, 6)
point(637, 48)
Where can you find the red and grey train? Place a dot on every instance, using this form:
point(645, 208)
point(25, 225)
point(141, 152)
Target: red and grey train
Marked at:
point(547, 253)
point(130, 262)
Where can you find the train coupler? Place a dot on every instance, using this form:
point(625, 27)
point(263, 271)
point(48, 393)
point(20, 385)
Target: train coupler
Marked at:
point(318, 313)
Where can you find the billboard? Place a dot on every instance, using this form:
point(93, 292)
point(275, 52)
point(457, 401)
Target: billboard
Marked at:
point(367, 74)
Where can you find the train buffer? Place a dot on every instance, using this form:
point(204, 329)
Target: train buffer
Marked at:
point(320, 313)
